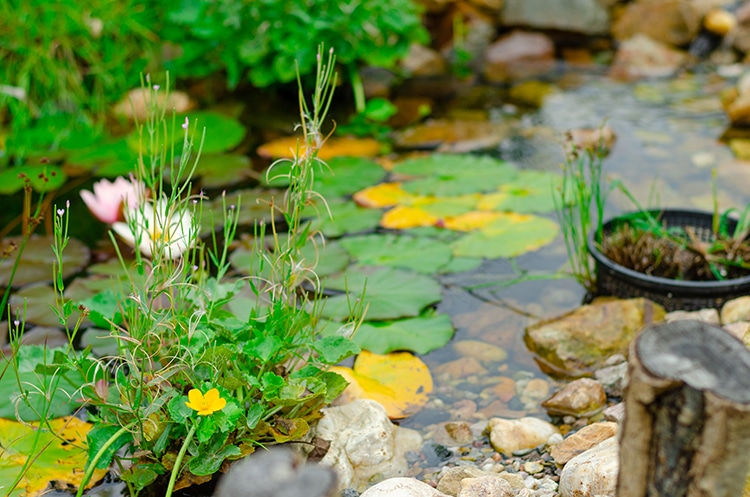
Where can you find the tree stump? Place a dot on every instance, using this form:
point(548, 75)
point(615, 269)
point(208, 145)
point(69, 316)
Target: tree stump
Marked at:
point(687, 413)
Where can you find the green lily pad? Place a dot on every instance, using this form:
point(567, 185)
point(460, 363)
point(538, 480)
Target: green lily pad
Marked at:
point(37, 384)
point(422, 255)
point(529, 192)
point(222, 133)
point(331, 258)
point(390, 293)
point(335, 177)
point(33, 304)
point(345, 217)
point(218, 170)
point(421, 334)
point(460, 265)
point(36, 261)
point(254, 206)
point(43, 178)
point(108, 158)
point(446, 175)
point(509, 236)
point(450, 206)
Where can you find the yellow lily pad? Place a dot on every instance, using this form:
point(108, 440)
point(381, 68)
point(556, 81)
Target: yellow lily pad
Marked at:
point(471, 220)
point(399, 381)
point(62, 460)
point(289, 146)
point(382, 195)
point(404, 217)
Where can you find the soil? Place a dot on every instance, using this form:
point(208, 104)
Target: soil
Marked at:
point(687, 259)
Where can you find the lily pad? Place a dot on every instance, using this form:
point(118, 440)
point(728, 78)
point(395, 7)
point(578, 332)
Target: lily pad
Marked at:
point(390, 293)
point(446, 175)
point(108, 158)
point(288, 146)
point(345, 217)
point(38, 385)
point(529, 192)
point(33, 304)
point(383, 195)
point(421, 335)
point(404, 217)
point(43, 178)
point(423, 255)
point(508, 236)
point(35, 265)
point(61, 450)
point(400, 382)
point(254, 205)
point(331, 258)
point(223, 133)
point(218, 170)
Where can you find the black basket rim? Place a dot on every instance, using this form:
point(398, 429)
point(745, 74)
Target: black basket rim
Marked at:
point(657, 282)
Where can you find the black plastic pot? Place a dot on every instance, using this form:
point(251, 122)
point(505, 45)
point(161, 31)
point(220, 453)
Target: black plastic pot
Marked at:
point(619, 281)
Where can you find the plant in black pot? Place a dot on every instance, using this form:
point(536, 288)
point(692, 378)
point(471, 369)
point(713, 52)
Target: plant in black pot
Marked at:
point(681, 259)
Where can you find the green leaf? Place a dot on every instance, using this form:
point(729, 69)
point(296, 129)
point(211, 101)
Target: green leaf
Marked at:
point(460, 265)
point(529, 192)
point(263, 347)
point(222, 133)
point(345, 217)
point(99, 435)
point(103, 307)
point(254, 415)
point(509, 236)
point(335, 385)
point(206, 428)
point(210, 455)
point(337, 177)
point(390, 293)
point(60, 385)
point(178, 411)
point(334, 349)
point(217, 170)
point(446, 175)
point(423, 255)
point(42, 178)
point(141, 476)
point(420, 334)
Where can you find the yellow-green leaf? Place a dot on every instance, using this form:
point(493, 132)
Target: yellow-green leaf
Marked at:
point(289, 146)
point(402, 217)
point(382, 195)
point(400, 381)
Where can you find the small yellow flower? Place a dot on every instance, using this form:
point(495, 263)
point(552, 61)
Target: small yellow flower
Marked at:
point(205, 404)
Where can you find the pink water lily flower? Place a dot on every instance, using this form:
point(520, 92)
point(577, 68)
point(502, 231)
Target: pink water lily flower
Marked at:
point(158, 227)
point(109, 200)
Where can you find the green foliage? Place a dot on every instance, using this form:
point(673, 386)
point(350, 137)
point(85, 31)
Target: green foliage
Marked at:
point(267, 41)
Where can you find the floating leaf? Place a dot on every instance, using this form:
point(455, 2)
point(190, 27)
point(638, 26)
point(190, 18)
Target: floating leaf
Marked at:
point(223, 133)
point(37, 385)
point(402, 217)
point(400, 382)
point(419, 254)
point(460, 265)
point(530, 191)
point(43, 178)
point(471, 220)
point(289, 146)
point(33, 304)
point(107, 158)
point(421, 335)
point(446, 175)
point(443, 207)
point(61, 451)
point(218, 170)
point(382, 195)
point(254, 205)
point(510, 235)
point(324, 260)
point(37, 259)
point(345, 217)
point(390, 293)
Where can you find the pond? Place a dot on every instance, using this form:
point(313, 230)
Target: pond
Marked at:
point(668, 142)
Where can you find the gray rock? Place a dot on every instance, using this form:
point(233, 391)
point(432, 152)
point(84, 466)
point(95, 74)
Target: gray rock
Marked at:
point(580, 16)
point(402, 487)
point(277, 473)
point(642, 57)
point(518, 55)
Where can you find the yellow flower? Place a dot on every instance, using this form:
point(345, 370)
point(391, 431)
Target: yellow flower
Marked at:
point(205, 404)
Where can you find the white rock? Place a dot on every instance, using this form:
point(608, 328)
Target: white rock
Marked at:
point(508, 435)
point(402, 487)
point(364, 443)
point(592, 473)
point(485, 486)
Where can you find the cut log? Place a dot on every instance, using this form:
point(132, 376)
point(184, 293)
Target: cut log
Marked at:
point(687, 413)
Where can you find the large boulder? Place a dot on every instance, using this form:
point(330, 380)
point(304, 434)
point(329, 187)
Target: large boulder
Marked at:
point(589, 17)
point(579, 342)
point(518, 55)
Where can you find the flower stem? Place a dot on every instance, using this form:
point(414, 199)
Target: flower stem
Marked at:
point(178, 461)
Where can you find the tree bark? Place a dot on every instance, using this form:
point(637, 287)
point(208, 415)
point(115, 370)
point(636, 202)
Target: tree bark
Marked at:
point(686, 431)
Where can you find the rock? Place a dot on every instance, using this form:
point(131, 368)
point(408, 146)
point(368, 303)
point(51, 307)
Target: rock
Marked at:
point(581, 398)
point(738, 329)
point(364, 443)
point(736, 310)
point(530, 93)
point(592, 473)
point(504, 389)
point(615, 413)
point(518, 55)
point(451, 478)
point(483, 351)
point(423, 61)
point(613, 377)
point(582, 440)
point(453, 433)
point(508, 435)
point(533, 467)
point(642, 57)
point(451, 135)
point(485, 486)
point(710, 316)
point(531, 392)
point(581, 341)
point(589, 17)
point(461, 368)
point(402, 487)
point(672, 22)
point(719, 21)
point(277, 472)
